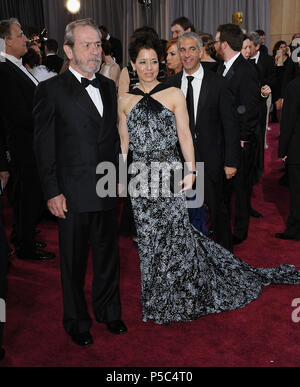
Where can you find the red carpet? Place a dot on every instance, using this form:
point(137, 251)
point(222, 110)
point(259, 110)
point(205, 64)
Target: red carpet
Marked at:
point(262, 334)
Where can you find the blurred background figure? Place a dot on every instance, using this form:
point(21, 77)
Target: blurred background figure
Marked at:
point(116, 45)
point(32, 60)
point(180, 26)
point(263, 49)
point(109, 67)
point(173, 61)
point(208, 52)
point(53, 62)
point(281, 54)
point(246, 47)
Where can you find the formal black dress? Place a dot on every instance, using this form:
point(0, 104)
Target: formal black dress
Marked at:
point(184, 275)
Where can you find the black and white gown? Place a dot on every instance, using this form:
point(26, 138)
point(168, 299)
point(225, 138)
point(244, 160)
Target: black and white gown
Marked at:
point(184, 275)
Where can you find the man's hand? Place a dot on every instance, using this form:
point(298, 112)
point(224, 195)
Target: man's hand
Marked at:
point(58, 206)
point(4, 176)
point(266, 91)
point(230, 172)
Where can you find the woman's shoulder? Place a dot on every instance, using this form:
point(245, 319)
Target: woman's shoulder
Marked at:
point(173, 92)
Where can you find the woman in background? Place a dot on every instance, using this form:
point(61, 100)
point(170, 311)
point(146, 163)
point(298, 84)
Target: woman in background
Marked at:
point(208, 52)
point(110, 69)
point(173, 60)
point(281, 54)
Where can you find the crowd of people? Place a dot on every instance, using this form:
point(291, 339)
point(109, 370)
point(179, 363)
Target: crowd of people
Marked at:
point(193, 99)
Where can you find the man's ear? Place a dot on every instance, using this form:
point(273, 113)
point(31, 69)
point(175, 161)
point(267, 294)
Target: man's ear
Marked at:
point(7, 42)
point(68, 51)
point(188, 30)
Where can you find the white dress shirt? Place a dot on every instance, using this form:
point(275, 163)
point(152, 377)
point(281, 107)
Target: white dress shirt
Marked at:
point(256, 57)
point(230, 63)
point(93, 92)
point(197, 83)
point(18, 63)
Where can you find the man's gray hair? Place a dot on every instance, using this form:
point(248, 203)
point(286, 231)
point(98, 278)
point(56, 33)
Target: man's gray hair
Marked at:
point(191, 35)
point(255, 38)
point(69, 32)
point(5, 25)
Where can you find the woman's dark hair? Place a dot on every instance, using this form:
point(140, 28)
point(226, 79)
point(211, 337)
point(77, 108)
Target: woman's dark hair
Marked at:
point(208, 43)
point(106, 47)
point(31, 58)
point(245, 37)
point(232, 34)
point(277, 45)
point(144, 41)
point(146, 30)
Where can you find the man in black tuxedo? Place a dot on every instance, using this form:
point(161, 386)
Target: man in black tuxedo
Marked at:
point(266, 70)
point(214, 128)
point(75, 130)
point(242, 81)
point(52, 61)
point(289, 145)
point(16, 102)
point(263, 49)
point(116, 45)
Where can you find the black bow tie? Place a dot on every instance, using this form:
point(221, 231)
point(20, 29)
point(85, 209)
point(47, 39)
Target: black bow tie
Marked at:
point(86, 82)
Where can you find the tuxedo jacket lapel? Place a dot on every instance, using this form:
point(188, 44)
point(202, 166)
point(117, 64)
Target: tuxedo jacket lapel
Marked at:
point(81, 97)
point(203, 95)
point(20, 73)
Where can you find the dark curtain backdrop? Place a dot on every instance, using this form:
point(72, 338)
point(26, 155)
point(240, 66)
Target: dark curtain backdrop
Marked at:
point(29, 12)
point(122, 17)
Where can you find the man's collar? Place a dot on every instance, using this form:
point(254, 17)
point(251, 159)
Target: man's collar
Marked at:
point(13, 59)
point(256, 57)
point(78, 75)
point(198, 74)
point(232, 60)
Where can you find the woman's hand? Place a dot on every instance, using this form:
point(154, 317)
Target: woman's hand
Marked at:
point(187, 182)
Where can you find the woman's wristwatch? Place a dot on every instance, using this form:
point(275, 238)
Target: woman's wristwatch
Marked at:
point(193, 173)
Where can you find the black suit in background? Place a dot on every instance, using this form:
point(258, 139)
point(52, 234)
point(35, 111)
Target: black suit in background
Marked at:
point(16, 103)
point(71, 139)
point(264, 50)
point(216, 143)
point(266, 71)
point(53, 63)
point(242, 81)
point(289, 145)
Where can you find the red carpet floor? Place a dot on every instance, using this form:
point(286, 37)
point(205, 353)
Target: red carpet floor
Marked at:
point(261, 335)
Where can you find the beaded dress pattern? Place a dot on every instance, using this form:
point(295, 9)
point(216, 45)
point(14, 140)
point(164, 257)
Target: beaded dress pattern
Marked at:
point(184, 274)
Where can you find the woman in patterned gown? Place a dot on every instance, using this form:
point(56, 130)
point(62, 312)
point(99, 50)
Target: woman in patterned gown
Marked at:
point(184, 275)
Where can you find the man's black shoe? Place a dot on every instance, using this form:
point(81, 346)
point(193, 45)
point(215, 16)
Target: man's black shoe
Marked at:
point(84, 339)
point(286, 237)
point(37, 255)
point(255, 214)
point(116, 327)
point(2, 354)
